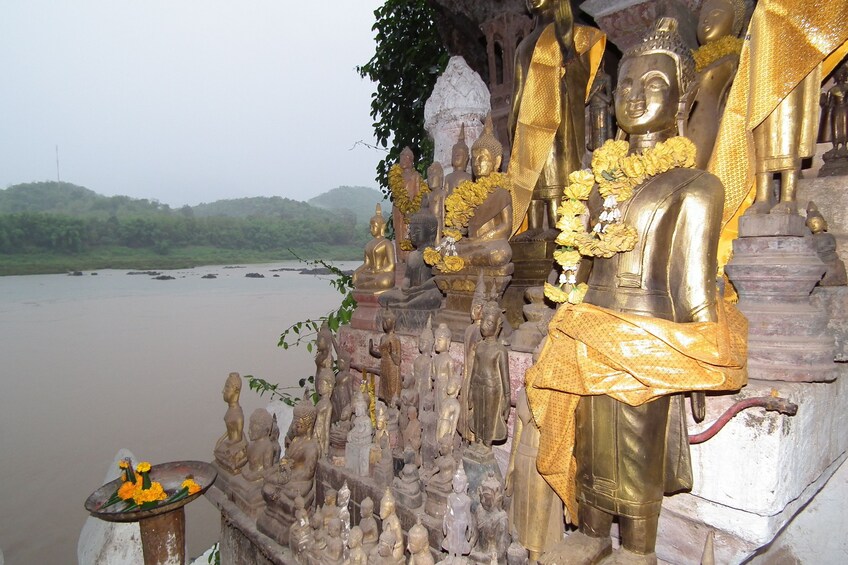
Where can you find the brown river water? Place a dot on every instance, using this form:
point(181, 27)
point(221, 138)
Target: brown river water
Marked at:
point(91, 364)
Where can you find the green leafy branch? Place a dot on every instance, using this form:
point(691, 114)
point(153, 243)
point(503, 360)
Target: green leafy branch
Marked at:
point(262, 386)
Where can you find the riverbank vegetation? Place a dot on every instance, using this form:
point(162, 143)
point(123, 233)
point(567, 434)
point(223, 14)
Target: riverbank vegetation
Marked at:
point(53, 227)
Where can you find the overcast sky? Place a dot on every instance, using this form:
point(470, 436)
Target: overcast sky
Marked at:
point(187, 101)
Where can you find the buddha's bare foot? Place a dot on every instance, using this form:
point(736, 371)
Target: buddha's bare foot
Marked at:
point(785, 208)
point(626, 557)
point(757, 209)
point(529, 235)
point(578, 549)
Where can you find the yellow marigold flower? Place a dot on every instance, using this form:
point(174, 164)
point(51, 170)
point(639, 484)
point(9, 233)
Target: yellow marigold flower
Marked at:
point(153, 494)
point(568, 238)
point(127, 491)
point(143, 467)
point(578, 191)
point(431, 256)
point(123, 464)
point(567, 257)
point(577, 293)
point(453, 263)
point(455, 234)
point(406, 245)
point(555, 293)
point(581, 176)
point(570, 207)
point(619, 237)
point(192, 486)
point(570, 223)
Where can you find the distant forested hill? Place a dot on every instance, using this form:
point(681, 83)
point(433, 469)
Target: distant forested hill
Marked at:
point(68, 219)
point(359, 200)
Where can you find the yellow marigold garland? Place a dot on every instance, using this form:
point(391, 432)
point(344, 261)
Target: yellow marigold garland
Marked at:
point(400, 196)
point(709, 53)
point(617, 175)
point(463, 201)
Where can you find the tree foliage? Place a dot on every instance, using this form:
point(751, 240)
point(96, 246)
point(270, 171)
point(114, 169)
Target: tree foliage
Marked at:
point(409, 56)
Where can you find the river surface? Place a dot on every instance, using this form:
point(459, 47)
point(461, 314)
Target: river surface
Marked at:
point(91, 364)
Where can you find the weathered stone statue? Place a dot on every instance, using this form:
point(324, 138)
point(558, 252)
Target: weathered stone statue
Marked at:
point(275, 440)
point(407, 485)
point(834, 124)
point(334, 554)
point(412, 434)
point(535, 510)
point(489, 394)
point(459, 162)
point(358, 447)
point(382, 465)
point(416, 297)
point(389, 355)
point(368, 525)
point(358, 556)
point(315, 554)
point(492, 522)
point(343, 502)
point(404, 206)
point(548, 143)
point(442, 366)
point(516, 554)
point(377, 273)
point(470, 339)
point(719, 24)
point(422, 366)
point(294, 476)
point(383, 554)
point(537, 315)
point(436, 202)
point(343, 387)
point(324, 408)
point(428, 418)
point(825, 248)
point(391, 523)
point(408, 399)
point(449, 415)
point(458, 524)
point(418, 545)
point(438, 486)
point(231, 448)
point(631, 447)
point(601, 115)
point(300, 534)
point(260, 452)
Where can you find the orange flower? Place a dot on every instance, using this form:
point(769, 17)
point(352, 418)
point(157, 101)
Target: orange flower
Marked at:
point(153, 494)
point(192, 486)
point(143, 467)
point(127, 491)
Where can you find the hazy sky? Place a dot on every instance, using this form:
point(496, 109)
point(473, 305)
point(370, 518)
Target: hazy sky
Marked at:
point(187, 101)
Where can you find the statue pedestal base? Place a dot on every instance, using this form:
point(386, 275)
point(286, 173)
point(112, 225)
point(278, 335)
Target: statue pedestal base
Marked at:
point(367, 308)
point(247, 495)
point(774, 276)
point(835, 164)
point(225, 479)
point(478, 461)
point(459, 288)
point(533, 261)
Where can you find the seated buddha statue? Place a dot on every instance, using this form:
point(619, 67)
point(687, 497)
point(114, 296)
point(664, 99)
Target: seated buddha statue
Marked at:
point(487, 241)
point(377, 272)
point(294, 476)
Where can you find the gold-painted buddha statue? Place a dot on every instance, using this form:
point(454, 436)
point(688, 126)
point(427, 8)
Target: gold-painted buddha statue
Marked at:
point(719, 24)
point(631, 448)
point(377, 273)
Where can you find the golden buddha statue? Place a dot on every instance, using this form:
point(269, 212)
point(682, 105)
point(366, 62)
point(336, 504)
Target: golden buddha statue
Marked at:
point(719, 24)
point(834, 121)
point(231, 447)
point(436, 202)
point(631, 447)
point(459, 162)
point(377, 273)
point(405, 195)
point(549, 144)
point(487, 242)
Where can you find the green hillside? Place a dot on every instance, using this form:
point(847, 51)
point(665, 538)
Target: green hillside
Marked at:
point(359, 200)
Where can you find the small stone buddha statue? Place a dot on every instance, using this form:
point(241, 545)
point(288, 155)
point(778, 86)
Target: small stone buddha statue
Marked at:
point(343, 503)
point(458, 523)
point(412, 434)
point(459, 162)
point(487, 242)
point(422, 365)
point(382, 464)
point(260, 452)
point(383, 554)
point(300, 534)
point(446, 426)
point(324, 408)
point(358, 447)
point(418, 544)
point(825, 248)
point(377, 273)
point(357, 554)
point(391, 522)
point(442, 366)
point(408, 399)
point(492, 521)
point(231, 448)
point(389, 354)
point(438, 486)
point(407, 485)
point(436, 201)
point(293, 477)
point(719, 25)
point(334, 553)
point(471, 337)
point(368, 525)
point(489, 392)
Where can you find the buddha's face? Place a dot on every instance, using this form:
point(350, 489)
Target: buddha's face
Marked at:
point(230, 392)
point(367, 507)
point(484, 163)
point(647, 96)
point(302, 427)
point(459, 157)
point(490, 324)
point(476, 311)
point(388, 323)
point(816, 224)
point(425, 343)
point(406, 159)
point(377, 227)
point(460, 483)
point(325, 387)
point(443, 342)
point(435, 177)
point(715, 21)
point(387, 508)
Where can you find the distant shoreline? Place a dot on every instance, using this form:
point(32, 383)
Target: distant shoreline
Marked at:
point(43, 263)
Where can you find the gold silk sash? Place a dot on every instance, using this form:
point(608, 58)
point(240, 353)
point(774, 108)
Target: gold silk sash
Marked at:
point(592, 350)
point(539, 114)
point(786, 41)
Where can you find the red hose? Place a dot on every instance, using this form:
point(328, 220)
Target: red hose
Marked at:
point(770, 403)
